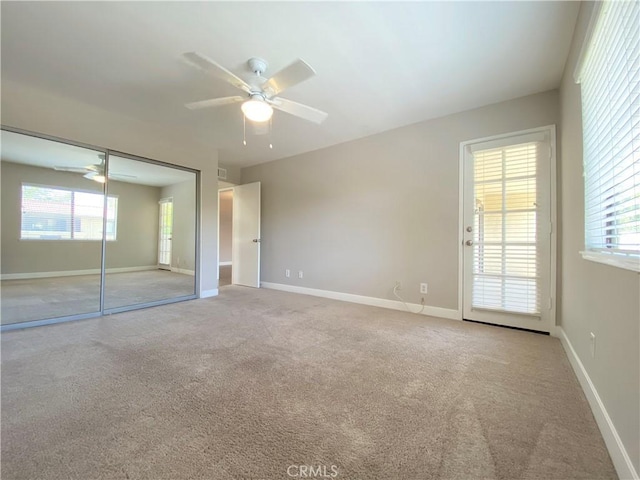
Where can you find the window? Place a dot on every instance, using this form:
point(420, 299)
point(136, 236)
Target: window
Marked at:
point(609, 74)
point(53, 213)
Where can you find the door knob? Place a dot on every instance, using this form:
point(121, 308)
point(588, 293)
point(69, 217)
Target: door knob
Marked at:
point(468, 243)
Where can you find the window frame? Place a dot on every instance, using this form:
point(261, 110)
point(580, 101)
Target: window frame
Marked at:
point(72, 214)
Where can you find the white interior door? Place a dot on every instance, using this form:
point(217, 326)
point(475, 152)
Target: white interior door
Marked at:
point(507, 230)
point(245, 250)
point(165, 233)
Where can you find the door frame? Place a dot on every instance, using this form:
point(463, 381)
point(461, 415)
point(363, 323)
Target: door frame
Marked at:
point(553, 214)
point(234, 250)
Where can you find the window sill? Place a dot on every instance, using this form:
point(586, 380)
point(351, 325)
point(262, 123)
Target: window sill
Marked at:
point(624, 261)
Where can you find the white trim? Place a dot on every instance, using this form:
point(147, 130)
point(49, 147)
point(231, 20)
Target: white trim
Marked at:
point(618, 453)
point(553, 235)
point(184, 271)
point(225, 264)
point(627, 262)
point(374, 302)
point(209, 293)
point(73, 273)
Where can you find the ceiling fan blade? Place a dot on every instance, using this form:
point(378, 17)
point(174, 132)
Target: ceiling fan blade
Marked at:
point(121, 175)
point(60, 168)
point(297, 72)
point(217, 70)
point(299, 110)
point(214, 102)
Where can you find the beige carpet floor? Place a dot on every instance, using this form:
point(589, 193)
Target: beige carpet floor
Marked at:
point(259, 384)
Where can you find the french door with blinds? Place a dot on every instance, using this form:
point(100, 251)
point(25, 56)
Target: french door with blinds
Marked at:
point(507, 230)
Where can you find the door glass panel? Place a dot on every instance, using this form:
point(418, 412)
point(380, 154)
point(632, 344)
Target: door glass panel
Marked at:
point(135, 272)
point(505, 257)
point(52, 224)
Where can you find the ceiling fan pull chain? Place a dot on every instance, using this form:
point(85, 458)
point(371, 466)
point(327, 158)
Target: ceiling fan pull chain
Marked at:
point(270, 129)
point(244, 130)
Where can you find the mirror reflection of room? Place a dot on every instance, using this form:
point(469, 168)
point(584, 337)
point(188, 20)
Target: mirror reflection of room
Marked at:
point(53, 224)
point(52, 220)
point(154, 255)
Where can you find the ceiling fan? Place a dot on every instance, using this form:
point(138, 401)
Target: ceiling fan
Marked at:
point(94, 172)
point(261, 94)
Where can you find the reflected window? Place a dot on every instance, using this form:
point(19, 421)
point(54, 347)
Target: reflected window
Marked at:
point(53, 213)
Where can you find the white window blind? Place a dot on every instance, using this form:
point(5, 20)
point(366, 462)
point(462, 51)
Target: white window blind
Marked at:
point(53, 213)
point(611, 127)
point(505, 252)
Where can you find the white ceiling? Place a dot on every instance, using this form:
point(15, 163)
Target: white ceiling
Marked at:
point(380, 65)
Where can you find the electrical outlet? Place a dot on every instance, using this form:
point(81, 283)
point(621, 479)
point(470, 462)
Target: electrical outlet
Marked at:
point(593, 344)
point(287, 273)
point(300, 275)
point(424, 288)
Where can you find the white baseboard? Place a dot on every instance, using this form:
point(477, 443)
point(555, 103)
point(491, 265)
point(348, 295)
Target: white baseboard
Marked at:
point(209, 293)
point(374, 302)
point(224, 264)
point(617, 451)
point(184, 271)
point(73, 273)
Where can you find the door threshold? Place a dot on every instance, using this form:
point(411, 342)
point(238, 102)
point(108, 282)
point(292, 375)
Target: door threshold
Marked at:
point(539, 332)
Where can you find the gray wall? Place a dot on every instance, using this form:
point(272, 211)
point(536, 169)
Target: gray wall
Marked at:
point(183, 238)
point(32, 109)
point(226, 225)
point(233, 173)
point(136, 243)
point(358, 216)
point(594, 297)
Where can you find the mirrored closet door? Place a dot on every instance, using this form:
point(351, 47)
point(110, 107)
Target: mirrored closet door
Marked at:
point(52, 218)
point(151, 257)
point(86, 231)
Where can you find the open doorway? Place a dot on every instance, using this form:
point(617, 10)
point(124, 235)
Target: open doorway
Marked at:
point(239, 234)
point(225, 264)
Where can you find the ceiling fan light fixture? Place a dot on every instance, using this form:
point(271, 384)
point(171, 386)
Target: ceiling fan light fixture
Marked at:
point(256, 109)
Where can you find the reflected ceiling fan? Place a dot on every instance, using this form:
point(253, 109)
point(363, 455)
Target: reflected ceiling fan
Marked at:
point(261, 94)
point(94, 172)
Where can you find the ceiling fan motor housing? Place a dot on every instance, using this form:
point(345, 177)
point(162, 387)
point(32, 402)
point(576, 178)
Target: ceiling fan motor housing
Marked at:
point(258, 65)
